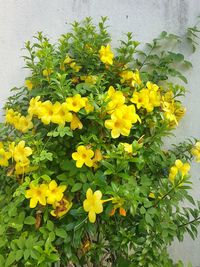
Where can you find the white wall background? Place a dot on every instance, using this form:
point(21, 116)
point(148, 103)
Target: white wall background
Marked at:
point(21, 19)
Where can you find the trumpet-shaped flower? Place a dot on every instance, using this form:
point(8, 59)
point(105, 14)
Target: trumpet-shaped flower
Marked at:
point(37, 194)
point(179, 167)
point(61, 207)
point(196, 151)
point(47, 72)
point(46, 112)
point(128, 147)
point(22, 167)
point(93, 204)
point(34, 106)
point(121, 121)
point(116, 98)
point(20, 152)
point(24, 124)
point(106, 55)
point(141, 99)
point(130, 77)
point(75, 123)
point(83, 156)
point(61, 115)
point(55, 192)
point(29, 84)
point(75, 103)
point(4, 157)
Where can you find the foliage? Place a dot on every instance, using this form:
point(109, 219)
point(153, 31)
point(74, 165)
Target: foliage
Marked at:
point(84, 177)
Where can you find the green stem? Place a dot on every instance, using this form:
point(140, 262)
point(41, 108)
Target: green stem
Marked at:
point(184, 224)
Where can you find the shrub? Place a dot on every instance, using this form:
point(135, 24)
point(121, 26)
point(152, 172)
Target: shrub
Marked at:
point(84, 178)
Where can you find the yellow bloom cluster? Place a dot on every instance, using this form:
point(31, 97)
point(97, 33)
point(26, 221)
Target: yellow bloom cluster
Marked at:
point(49, 194)
point(21, 123)
point(60, 113)
point(179, 167)
point(116, 99)
point(85, 155)
point(90, 79)
point(29, 84)
point(148, 97)
point(71, 63)
point(122, 119)
point(20, 154)
point(4, 156)
point(196, 151)
point(130, 77)
point(106, 55)
point(173, 110)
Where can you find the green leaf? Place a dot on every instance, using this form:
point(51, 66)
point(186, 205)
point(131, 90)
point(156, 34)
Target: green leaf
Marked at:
point(148, 219)
point(11, 258)
point(61, 232)
point(29, 220)
point(76, 187)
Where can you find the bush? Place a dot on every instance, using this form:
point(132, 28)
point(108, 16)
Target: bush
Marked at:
point(84, 177)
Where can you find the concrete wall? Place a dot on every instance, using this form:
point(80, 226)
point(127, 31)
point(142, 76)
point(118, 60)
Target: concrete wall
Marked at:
point(21, 19)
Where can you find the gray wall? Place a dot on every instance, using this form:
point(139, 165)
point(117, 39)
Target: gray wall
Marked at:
point(21, 19)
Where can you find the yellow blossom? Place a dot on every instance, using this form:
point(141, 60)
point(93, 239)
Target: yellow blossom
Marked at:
point(20, 152)
point(24, 124)
point(152, 87)
point(97, 158)
point(55, 192)
point(61, 115)
point(141, 99)
point(68, 60)
point(36, 194)
point(128, 147)
point(106, 55)
point(196, 151)
point(90, 79)
point(75, 103)
point(130, 77)
point(75, 122)
point(61, 207)
point(75, 67)
point(88, 107)
point(116, 98)
point(47, 72)
point(46, 112)
point(4, 157)
point(34, 106)
point(22, 167)
point(179, 167)
point(121, 121)
point(93, 204)
point(83, 156)
point(29, 84)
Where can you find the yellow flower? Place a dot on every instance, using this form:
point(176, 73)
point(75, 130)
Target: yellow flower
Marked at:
point(83, 156)
point(20, 152)
point(88, 107)
point(75, 103)
point(128, 147)
point(141, 99)
point(179, 167)
point(93, 204)
point(22, 167)
point(121, 121)
point(75, 67)
point(106, 55)
point(61, 208)
point(12, 116)
point(47, 72)
point(61, 115)
point(55, 192)
point(75, 123)
point(24, 124)
point(36, 194)
point(46, 112)
point(196, 151)
point(131, 77)
point(34, 106)
point(4, 157)
point(152, 87)
point(68, 60)
point(168, 108)
point(97, 158)
point(29, 84)
point(116, 98)
point(90, 79)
